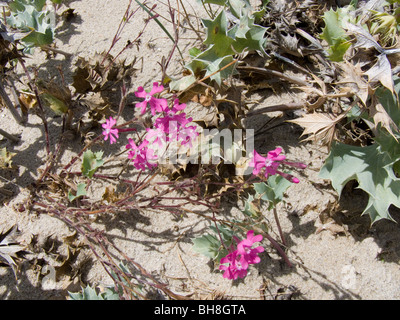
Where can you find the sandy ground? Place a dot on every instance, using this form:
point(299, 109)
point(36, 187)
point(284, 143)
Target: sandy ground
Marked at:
point(336, 253)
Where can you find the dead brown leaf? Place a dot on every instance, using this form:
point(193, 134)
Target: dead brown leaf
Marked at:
point(381, 72)
point(353, 76)
point(318, 126)
point(379, 114)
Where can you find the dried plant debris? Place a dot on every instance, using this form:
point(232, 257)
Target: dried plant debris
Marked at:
point(10, 249)
point(6, 159)
point(100, 73)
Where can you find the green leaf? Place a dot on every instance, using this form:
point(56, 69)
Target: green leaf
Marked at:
point(251, 209)
point(338, 50)
point(372, 168)
point(27, 16)
point(211, 62)
point(216, 65)
point(334, 34)
point(91, 162)
point(89, 293)
point(247, 35)
point(58, 106)
point(194, 52)
point(218, 2)
point(239, 8)
point(226, 233)
point(389, 100)
point(207, 245)
point(210, 245)
point(217, 35)
point(396, 169)
point(80, 191)
point(183, 83)
point(273, 191)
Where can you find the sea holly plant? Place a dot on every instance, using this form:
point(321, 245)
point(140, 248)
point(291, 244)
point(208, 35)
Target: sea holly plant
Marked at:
point(233, 31)
point(34, 21)
point(334, 32)
point(374, 167)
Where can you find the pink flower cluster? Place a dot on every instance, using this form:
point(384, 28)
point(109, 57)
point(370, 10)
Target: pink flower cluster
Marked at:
point(236, 263)
point(171, 125)
point(271, 162)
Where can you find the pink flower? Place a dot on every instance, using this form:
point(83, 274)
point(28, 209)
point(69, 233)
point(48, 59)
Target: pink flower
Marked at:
point(271, 164)
point(177, 107)
point(172, 122)
point(158, 105)
point(236, 263)
point(234, 266)
point(109, 132)
point(140, 155)
point(187, 134)
point(159, 133)
point(244, 248)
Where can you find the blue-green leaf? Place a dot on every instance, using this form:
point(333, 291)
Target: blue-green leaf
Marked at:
point(80, 191)
point(272, 191)
point(372, 168)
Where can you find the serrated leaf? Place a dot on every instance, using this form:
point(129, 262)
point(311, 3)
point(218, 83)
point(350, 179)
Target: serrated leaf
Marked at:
point(334, 34)
point(318, 125)
point(91, 162)
point(363, 38)
point(372, 168)
point(381, 72)
point(217, 35)
point(353, 75)
point(27, 16)
point(338, 50)
point(239, 8)
point(249, 37)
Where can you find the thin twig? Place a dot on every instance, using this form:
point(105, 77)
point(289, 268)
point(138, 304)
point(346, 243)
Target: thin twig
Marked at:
point(273, 73)
point(277, 107)
point(9, 136)
point(4, 96)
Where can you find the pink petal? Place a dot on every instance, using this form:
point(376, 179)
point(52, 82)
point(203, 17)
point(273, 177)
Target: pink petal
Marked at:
point(142, 105)
point(140, 93)
point(156, 88)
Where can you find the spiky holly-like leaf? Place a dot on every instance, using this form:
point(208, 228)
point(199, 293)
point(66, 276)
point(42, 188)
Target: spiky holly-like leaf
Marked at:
point(372, 168)
point(334, 34)
point(28, 16)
